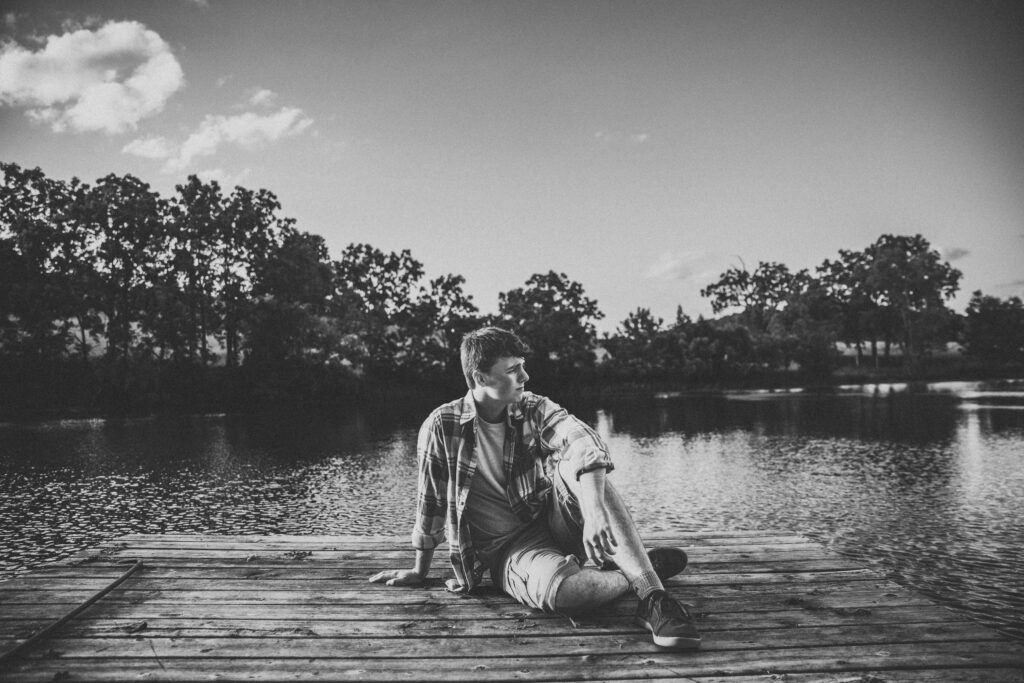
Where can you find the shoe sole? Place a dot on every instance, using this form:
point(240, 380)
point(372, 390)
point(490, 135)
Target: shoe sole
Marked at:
point(675, 642)
point(665, 574)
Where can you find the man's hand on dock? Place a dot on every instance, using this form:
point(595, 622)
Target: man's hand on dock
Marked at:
point(398, 577)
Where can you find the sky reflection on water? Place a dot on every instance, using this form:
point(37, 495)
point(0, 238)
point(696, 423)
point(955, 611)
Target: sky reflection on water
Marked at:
point(927, 486)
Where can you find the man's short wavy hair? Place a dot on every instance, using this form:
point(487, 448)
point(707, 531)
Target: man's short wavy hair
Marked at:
point(482, 348)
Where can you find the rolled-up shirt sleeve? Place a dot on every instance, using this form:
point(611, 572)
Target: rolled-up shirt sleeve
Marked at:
point(431, 488)
point(566, 437)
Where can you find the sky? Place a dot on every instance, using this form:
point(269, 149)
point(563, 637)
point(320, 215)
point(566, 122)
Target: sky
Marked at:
point(641, 148)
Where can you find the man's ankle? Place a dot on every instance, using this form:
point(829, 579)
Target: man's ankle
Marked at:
point(646, 584)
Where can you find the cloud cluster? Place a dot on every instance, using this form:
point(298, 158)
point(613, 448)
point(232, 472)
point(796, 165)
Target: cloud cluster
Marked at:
point(263, 98)
point(149, 148)
point(248, 130)
point(954, 253)
point(673, 267)
point(106, 79)
point(614, 137)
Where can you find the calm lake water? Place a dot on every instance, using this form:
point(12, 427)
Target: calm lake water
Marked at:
point(924, 483)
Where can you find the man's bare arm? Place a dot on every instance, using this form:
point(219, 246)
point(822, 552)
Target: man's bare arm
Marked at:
point(598, 538)
point(407, 577)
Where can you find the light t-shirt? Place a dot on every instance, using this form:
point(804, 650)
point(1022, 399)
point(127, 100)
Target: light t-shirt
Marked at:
point(490, 516)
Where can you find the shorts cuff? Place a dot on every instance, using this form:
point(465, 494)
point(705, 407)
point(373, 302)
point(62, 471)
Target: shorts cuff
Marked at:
point(570, 567)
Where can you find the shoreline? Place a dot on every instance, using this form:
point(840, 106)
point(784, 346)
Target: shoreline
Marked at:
point(588, 390)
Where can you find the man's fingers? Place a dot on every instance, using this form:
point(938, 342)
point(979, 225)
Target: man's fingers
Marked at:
point(603, 543)
point(401, 578)
point(384, 576)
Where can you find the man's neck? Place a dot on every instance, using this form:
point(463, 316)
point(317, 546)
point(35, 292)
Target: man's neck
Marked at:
point(488, 409)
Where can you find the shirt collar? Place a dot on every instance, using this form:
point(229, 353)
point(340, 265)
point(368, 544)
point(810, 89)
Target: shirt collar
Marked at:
point(512, 415)
point(468, 408)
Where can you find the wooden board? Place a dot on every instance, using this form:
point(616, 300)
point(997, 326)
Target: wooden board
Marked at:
point(772, 606)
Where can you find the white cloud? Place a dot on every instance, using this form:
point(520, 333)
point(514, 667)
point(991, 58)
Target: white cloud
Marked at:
point(673, 267)
point(149, 148)
point(248, 131)
point(264, 98)
point(107, 79)
point(72, 24)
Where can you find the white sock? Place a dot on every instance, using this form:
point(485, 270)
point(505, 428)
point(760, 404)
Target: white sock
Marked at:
point(645, 584)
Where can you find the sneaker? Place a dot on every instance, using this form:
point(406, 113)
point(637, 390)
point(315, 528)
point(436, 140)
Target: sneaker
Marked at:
point(669, 622)
point(667, 562)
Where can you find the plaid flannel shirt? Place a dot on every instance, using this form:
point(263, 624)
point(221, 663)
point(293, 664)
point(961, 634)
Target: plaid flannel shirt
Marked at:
point(539, 431)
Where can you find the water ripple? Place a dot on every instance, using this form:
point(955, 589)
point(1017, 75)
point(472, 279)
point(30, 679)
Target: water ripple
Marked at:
point(912, 484)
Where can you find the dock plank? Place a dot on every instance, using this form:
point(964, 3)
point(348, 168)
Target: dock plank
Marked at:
point(942, 658)
point(413, 644)
point(225, 625)
point(770, 604)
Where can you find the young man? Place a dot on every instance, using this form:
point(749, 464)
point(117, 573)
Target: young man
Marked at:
point(518, 485)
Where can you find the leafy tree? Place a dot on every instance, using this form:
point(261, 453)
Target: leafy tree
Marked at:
point(761, 296)
point(440, 316)
point(909, 279)
point(375, 293)
point(290, 290)
point(555, 317)
point(807, 329)
point(635, 346)
point(197, 222)
point(384, 284)
point(403, 325)
point(75, 261)
point(249, 230)
point(715, 349)
point(47, 280)
point(125, 220)
point(846, 281)
point(13, 274)
point(641, 327)
point(994, 329)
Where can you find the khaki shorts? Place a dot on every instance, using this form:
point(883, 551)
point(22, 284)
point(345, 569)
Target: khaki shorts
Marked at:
point(546, 553)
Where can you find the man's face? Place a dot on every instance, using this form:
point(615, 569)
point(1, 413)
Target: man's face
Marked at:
point(506, 379)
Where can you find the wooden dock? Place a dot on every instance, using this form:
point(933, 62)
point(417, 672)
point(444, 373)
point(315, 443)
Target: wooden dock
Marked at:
point(771, 606)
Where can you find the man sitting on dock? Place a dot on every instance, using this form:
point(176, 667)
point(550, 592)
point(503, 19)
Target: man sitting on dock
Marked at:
point(518, 485)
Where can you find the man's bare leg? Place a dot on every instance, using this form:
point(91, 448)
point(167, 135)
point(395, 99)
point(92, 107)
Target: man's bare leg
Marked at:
point(591, 588)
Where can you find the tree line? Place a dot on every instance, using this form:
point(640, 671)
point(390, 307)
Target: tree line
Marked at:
point(113, 298)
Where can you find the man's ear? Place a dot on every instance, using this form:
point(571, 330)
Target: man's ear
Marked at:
point(480, 378)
